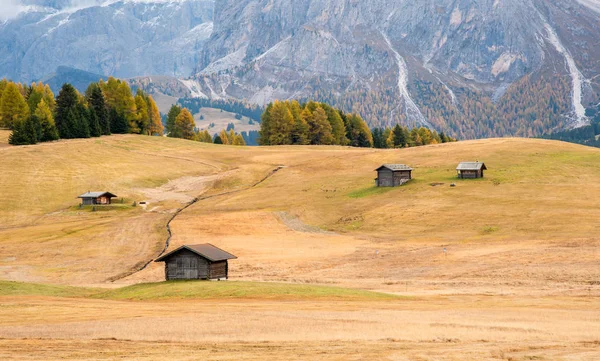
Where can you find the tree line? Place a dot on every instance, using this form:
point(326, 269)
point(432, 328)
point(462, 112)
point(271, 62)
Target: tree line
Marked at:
point(292, 123)
point(402, 137)
point(588, 135)
point(34, 115)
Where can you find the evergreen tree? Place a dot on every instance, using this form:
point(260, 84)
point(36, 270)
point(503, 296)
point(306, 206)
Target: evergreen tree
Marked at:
point(24, 132)
point(399, 137)
point(171, 117)
point(83, 121)
point(14, 108)
point(378, 141)
point(96, 101)
point(94, 124)
point(48, 128)
point(118, 123)
point(66, 112)
point(184, 125)
point(218, 139)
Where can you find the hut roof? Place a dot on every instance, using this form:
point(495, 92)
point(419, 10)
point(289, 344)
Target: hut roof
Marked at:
point(206, 250)
point(96, 195)
point(395, 167)
point(471, 166)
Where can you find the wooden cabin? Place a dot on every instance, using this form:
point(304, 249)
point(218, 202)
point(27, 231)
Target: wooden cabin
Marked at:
point(196, 262)
point(96, 198)
point(471, 170)
point(393, 175)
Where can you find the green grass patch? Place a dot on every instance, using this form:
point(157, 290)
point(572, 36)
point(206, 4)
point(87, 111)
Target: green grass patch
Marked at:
point(180, 290)
point(370, 191)
point(236, 290)
point(9, 288)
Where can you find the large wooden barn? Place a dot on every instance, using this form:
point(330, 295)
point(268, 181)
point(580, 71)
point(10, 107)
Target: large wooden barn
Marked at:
point(94, 198)
point(471, 170)
point(393, 175)
point(197, 262)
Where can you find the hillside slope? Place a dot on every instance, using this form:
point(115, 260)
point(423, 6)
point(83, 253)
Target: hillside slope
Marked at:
point(318, 218)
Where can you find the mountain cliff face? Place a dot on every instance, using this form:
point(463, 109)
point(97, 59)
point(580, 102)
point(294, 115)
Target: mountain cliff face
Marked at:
point(469, 67)
point(121, 38)
point(430, 62)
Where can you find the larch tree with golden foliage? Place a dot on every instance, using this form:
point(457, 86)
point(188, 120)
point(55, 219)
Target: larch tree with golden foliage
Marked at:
point(13, 108)
point(184, 125)
point(155, 127)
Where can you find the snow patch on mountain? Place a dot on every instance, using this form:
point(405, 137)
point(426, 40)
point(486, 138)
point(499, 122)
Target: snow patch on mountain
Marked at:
point(194, 87)
point(580, 118)
point(412, 110)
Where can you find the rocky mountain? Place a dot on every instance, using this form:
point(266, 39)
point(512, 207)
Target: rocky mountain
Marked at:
point(119, 38)
point(472, 68)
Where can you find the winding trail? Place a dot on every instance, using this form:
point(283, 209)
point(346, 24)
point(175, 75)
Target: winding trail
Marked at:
point(142, 266)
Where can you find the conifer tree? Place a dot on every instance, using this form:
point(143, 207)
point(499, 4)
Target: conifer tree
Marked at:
point(264, 135)
point(24, 132)
point(388, 138)
point(66, 112)
point(142, 119)
point(319, 128)
point(82, 120)
point(171, 117)
point(218, 139)
point(98, 104)
point(281, 124)
point(118, 123)
point(224, 137)
point(184, 125)
point(399, 137)
point(338, 129)
point(14, 108)
point(94, 124)
point(48, 128)
point(239, 140)
point(34, 97)
point(155, 126)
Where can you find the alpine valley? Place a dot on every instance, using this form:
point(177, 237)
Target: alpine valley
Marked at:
point(470, 68)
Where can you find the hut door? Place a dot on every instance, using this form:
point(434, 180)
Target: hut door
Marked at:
point(190, 268)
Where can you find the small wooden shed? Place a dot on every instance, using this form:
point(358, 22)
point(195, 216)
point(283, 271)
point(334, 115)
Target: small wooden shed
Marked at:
point(197, 262)
point(393, 175)
point(471, 170)
point(94, 198)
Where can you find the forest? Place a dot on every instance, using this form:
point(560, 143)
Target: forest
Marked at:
point(588, 135)
point(35, 115)
point(292, 123)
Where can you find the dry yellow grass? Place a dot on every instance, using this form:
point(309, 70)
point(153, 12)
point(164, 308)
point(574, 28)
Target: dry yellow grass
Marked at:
point(4, 134)
point(519, 281)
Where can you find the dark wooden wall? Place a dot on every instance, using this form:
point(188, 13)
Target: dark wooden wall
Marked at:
point(186, 265)
point(470, 174)
point(388, 178)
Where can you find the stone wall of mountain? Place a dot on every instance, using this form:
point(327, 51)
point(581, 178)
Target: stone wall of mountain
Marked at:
point(121, 38)
point(472, 68)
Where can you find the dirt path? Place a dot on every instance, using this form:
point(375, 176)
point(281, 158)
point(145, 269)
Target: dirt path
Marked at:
point(178, 212)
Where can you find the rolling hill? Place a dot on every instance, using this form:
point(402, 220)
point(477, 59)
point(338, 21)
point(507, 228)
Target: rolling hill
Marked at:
point(522, 249)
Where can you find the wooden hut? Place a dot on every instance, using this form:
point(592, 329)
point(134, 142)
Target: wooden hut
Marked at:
point(94, 198)
point(196, 262)
point(393, 175)
point(471, 170)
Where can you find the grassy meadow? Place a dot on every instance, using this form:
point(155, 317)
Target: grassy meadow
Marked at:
point(327, 263)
